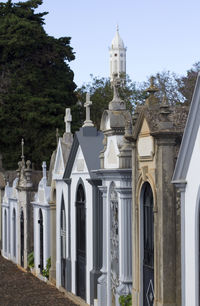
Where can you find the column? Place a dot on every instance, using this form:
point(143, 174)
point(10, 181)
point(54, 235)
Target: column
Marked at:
point(102, 281)
point(69, 263)
point(125, 241)
point(97, 237)
point(52, 272)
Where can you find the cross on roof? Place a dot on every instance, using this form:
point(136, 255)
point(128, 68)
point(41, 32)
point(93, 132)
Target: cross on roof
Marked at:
point(44, 169)
point(87, 105)
point(68, 120)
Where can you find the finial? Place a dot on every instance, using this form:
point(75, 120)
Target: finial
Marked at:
point(57, 135)
point(164, 101)
point(44, 169)
point(152, 88)
point(117, 27)
point(117, 103)
point(68, 120)
point(87, 105)
point(22, 156)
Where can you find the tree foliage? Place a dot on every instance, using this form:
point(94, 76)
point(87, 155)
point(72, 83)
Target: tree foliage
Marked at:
point(36, 83)
point(102, 93)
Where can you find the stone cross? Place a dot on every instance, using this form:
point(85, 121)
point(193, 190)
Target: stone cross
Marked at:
point(87, 105)
point(57, 135)
point(44, 169)
point(22, 157)
point(68, 120)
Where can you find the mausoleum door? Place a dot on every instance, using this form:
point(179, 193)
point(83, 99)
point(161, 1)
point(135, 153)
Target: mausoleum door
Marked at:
point(81, 243)
point(148, 246)
point(14, 233)
point(41, 241)
point(63, 244)
point(5, 232)
point(22, 238)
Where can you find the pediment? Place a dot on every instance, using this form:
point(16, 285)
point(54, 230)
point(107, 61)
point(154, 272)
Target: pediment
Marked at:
point(59, 162)
point(79, 162)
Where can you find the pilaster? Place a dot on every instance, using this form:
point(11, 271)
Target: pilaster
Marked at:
point(125, 241)
point(69, 263)
point(102, 281)
point(164, 237)
point(97, 238)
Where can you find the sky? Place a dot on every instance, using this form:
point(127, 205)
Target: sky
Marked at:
point(159, 34)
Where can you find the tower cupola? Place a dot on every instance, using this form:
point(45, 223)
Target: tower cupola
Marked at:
point(117, 56)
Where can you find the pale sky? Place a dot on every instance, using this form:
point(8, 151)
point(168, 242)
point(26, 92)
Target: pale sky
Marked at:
point(159, 34)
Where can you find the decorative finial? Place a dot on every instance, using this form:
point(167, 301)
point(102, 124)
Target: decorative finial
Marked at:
point(164, 101)
point(44, 169)
point(57, 135)
point(87, 105)
point(68, 120)
point(22, 156)
point(117, 103)
point(152, 88)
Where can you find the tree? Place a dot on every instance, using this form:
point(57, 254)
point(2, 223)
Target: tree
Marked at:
point(168, 85)
point(187, 83)
point(102, 93)
point(36, 83)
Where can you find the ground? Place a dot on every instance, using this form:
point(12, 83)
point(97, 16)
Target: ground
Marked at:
point(22, 288)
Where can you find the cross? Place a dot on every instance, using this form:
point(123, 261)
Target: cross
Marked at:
point(68, 120)
point(57, 135)
point(87, 105)
point(22, 157)
point(44, 169)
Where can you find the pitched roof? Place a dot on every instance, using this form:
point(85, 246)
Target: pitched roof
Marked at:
point(189, 136)
point(91, 143)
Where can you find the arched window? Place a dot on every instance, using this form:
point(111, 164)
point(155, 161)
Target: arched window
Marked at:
point(41, 241)
point(14, 233)
point(63, 243)
point(148, 245)
point(81, 242)
point(22, 238)
point(6, 231)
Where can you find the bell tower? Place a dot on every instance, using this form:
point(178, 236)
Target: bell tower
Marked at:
point(117, 56)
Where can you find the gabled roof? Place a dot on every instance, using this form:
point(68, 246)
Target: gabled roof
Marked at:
point(175, 123)
point(189, 136)
point(91, 143)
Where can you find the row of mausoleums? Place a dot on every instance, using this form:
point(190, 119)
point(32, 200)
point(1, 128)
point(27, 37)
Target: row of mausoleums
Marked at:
point(109, 214)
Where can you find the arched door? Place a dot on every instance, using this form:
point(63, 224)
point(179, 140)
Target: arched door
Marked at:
point(5, 231)
point(148, 246)
point(22, 238)
point(14, 233)
point(41, 241)
point(63, 244)
point(81, 243)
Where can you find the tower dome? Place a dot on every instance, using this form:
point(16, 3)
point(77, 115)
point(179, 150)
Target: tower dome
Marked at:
point(117, 42)
point(117, 56)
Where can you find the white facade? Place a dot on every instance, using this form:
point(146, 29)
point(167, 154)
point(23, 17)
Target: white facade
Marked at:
point(117, 56)
point(41, 224)
point(186, 179)
point(9, 223)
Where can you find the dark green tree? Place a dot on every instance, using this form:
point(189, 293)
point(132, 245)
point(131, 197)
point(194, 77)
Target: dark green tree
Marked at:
point(187, 83)
point(36, 83)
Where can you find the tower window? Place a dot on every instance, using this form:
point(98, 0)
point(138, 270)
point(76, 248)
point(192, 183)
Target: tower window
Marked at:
point(115, 54)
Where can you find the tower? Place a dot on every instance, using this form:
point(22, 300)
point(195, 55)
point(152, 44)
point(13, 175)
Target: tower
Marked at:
point(117, 56)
